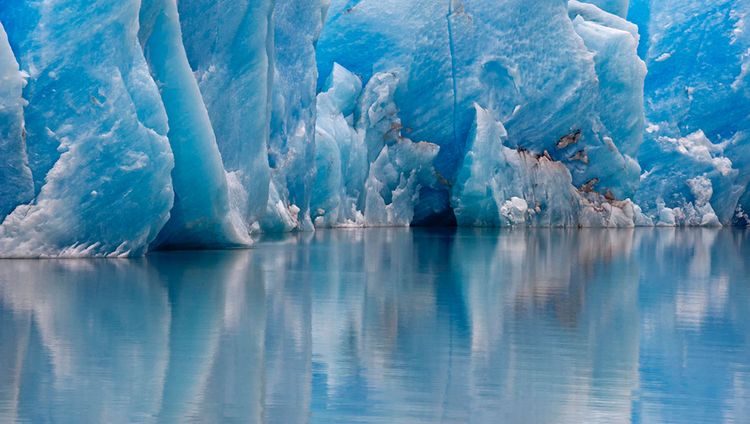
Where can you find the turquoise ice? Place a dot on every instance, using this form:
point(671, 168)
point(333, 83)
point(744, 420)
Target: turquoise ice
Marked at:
point(96, 132)
point(698, 108)
point(368, 172)
point(17, 187)
point(544, 75)
point(232, 61)
point(132, 126)
point(201, 215)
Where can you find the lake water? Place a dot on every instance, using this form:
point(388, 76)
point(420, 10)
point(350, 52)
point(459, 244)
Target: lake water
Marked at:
point(388, 326)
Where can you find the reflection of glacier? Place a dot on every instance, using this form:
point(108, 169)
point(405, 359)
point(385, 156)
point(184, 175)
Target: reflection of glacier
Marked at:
point(388, 325)
point(480, 327)
point(67, 326)
point(702, 321)
point(170, 339)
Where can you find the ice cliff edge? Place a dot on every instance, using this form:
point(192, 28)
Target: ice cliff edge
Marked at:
point(128, 126)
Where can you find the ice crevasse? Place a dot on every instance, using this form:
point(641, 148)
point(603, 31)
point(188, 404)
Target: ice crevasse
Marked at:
point(128, 126)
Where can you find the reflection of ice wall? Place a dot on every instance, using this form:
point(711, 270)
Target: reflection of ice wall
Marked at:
point(470, 328)
point(158, 344)
point(388, 324)
point(525, 299)
point(127, 316)
point(705, 310)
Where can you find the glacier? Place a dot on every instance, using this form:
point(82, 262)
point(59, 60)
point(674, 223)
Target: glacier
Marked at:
point(698, 108)
point(502, 186)
point(96, 133)
point(200, 216)
point(368, 173)
point(18, 185)
point(131, 126)
point(291, 147)
point(509, 57)
point(232, 64)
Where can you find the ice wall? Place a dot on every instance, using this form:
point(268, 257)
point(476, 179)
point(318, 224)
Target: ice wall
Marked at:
point(341, 159)
point(17, 185)
point(401, 168)
point(229, 44)
point(96, 132)
point(291, 150)
point(255, 65)
point(368, 172)
point(551, 80)
point(200, 216)
point(137, 125)
point(617, 7)
point(502, 186)
point(162, 138)
point(698, 107)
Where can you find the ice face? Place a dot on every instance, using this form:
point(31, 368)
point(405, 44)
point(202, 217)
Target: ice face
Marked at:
point(541, 74)
point(395, 180)
point(667, 183)
point(617, 7)
point(150, 124)
point(698, 104)
point(368, 172)
point(621, 74)
point(96, 132)
point(400, 168)
point(200, 216)
point(297, 24)
point(370, 37)
point(340, 154)
point(501, 186)
point(229, 45)
point(17, 185)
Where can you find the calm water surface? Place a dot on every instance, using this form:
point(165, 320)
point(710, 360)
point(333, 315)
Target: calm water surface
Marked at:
point(388, 326)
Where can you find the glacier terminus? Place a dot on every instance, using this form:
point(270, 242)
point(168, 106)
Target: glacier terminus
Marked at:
point(128, 126)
